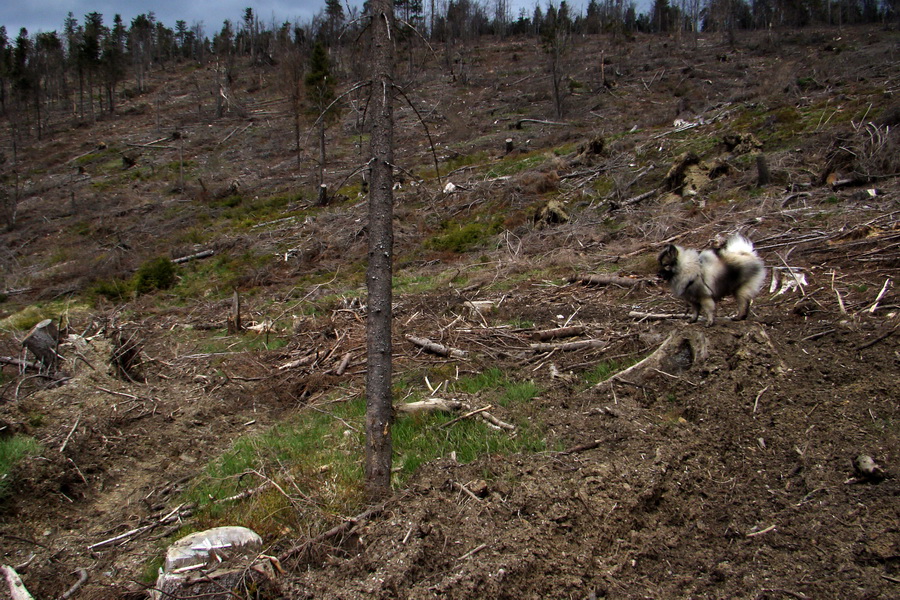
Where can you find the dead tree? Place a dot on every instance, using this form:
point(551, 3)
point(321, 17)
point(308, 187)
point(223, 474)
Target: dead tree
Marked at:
point(379, 403)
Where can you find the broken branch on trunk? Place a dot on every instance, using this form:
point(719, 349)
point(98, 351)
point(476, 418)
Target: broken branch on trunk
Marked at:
point(436, 348)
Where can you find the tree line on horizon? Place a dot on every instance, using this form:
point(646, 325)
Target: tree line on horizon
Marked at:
point(83, 66)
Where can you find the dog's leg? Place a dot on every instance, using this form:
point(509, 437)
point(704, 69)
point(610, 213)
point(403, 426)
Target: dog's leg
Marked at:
point(695, 311)
point(709, 310)
point(743, 306)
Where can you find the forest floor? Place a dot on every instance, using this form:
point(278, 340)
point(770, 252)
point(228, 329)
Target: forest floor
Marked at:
point(725, 471)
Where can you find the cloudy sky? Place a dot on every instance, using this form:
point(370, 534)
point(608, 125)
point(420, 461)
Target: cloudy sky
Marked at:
point(48, 15)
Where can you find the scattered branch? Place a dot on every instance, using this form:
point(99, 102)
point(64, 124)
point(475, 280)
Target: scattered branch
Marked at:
point(636, 314)
point(436, 348)
point(607, 280)
point(568, 346)
point(82, 578)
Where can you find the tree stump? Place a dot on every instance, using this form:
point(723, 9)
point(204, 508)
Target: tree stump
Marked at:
point(233, 322)
point(43, 341)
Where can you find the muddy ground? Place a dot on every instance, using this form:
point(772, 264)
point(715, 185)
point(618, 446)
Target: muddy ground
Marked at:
point(729, 474)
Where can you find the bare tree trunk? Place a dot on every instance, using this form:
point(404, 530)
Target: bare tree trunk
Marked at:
point(379, 405)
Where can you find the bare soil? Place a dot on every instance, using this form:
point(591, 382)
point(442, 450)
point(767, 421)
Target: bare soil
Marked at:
point(731, 478)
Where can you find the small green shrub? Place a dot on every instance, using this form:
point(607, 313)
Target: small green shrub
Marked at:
point(114, 290)
point(461, 238)
point(156, 274)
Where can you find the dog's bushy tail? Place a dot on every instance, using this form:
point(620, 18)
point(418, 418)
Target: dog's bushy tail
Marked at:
point(745, 271)
point(736, 247)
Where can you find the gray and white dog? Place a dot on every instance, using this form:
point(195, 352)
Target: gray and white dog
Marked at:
point(703, 278)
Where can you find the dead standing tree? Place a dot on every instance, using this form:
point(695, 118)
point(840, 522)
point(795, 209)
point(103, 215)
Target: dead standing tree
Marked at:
point(379, 403)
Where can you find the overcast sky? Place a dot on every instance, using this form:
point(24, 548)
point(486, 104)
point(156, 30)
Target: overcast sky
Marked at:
point(48, 15)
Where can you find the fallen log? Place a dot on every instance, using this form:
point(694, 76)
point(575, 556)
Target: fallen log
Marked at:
point(184, 259)
point(552, 334)
point(607, 280)
point(436, 348)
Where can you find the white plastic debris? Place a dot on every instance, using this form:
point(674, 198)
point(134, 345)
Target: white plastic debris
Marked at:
point(212, 545)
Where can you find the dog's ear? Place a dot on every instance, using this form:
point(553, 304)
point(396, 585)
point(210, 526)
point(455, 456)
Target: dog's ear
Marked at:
point(669, 255)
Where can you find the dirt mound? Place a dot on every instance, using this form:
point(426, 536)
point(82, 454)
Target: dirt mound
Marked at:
point(733, 479)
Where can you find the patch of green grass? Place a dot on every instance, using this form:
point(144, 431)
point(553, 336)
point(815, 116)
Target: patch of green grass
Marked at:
point(516, 164)
point(517, 393)
point(492, 378)
point(12, 451)
point(247, 213)
point(459, 238)
point(215, 278)
point(464, 160)
point(420, 438)
point(155, 274)
point(414, 284)
point(316, 458)
point(245, 342)
point(604, 370)
point(33, 314)
point(520, 323)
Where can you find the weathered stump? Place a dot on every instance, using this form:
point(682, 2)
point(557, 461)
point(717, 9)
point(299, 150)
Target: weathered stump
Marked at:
point(43, 342)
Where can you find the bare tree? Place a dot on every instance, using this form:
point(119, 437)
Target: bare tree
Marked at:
point(379, 404)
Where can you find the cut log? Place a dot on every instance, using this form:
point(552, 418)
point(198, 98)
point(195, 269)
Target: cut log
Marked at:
point(43, 342)
point(436, 348)
point(552, 334)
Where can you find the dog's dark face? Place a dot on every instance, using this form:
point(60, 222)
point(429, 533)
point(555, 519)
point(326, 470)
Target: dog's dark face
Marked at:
point(668, 259)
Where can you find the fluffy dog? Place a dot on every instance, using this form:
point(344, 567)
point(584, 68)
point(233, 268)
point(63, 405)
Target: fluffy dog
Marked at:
point(703, 278)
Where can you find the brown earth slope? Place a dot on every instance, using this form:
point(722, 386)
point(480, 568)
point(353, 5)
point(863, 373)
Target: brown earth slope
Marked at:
point(727, 474)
